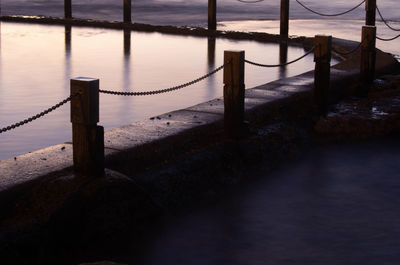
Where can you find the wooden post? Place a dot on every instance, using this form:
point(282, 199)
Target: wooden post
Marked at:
point(284, 30)
point(370, 12)
point(368, 57)
point(234, 93)
point(87, 137)
point(322, 59)
point(212, 14)
point(67, 9)
point(127, 11)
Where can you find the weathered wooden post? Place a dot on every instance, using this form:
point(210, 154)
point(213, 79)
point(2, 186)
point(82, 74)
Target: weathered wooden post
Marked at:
point(322, 59)
point(234, 93)
point(87, 137)
point(284, 30)
point(67, 8)
point(212, 14)
point(368, 57)
point(127, 11)
point(370, 12)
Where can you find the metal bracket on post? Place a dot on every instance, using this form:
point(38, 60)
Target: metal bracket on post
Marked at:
point(87, 137)
point(322, 59)
point(234, 93)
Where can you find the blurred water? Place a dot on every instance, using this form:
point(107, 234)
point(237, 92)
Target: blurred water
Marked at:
point(336, 205)
point(191, 12)
point(28, 51)
point(37, 61)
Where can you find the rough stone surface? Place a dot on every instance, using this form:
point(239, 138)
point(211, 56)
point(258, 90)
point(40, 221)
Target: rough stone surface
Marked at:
point(378, 114)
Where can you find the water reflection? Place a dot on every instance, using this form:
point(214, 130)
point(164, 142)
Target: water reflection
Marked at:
point(51, 55)
point(210, 92)
point(127, 42)
point(211, 52)
point(126, 82)
point(283, 52)
point(67, 54)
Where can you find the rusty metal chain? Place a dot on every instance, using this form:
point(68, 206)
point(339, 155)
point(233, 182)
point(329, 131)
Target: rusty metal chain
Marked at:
point(329, 15)
point(39, 115)
point(154, 92)
point(280, 65)
point(390, 39)
point(250, 2)
point(385, 21)
point(349, 52)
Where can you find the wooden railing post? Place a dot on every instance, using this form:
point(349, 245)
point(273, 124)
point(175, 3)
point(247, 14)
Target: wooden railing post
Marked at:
point(127, 11)
point(284, 29)
point(67, 9)
point(368, 56)
point(322, 59)
point(234, 93)
point(370, 12)
point(87, 137)
point(212, 14)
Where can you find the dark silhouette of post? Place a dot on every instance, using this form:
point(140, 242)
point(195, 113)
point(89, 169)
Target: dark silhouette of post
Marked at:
point(211, 51)
point(322, 58)
point(87, 137)
point(127, 11)
point(368, 57)
point(67, 8)
point(127, 41)
point(234, 93)
point(283, 52)
point(370, 12)
point(284, 29)
point(212, 14)
point(68, 39)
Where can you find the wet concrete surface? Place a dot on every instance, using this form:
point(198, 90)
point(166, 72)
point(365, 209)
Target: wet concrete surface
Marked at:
point(338, 204)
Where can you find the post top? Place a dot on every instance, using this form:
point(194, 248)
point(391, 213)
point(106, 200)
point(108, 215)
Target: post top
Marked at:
point(86, 79)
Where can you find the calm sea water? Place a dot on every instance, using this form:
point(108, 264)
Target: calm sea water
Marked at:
point(192, 12)
point(36, 62)
point(342, 212)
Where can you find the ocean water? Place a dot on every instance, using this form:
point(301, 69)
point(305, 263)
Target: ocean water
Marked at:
point(192, 12)
point(22, 47)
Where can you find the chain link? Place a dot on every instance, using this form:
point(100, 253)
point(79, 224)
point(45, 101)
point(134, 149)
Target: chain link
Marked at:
point(284, 64)
point(382, 39)
point(147, 93)
point(41, 114)
point(384, 21)
point(349, 52)
point(329, 15)
point(250, 2)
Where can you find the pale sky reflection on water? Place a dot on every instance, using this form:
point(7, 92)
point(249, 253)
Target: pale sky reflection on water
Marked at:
point(37, 62)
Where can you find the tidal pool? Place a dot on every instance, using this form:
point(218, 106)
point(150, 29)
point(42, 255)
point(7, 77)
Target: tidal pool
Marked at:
point(38, 61)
